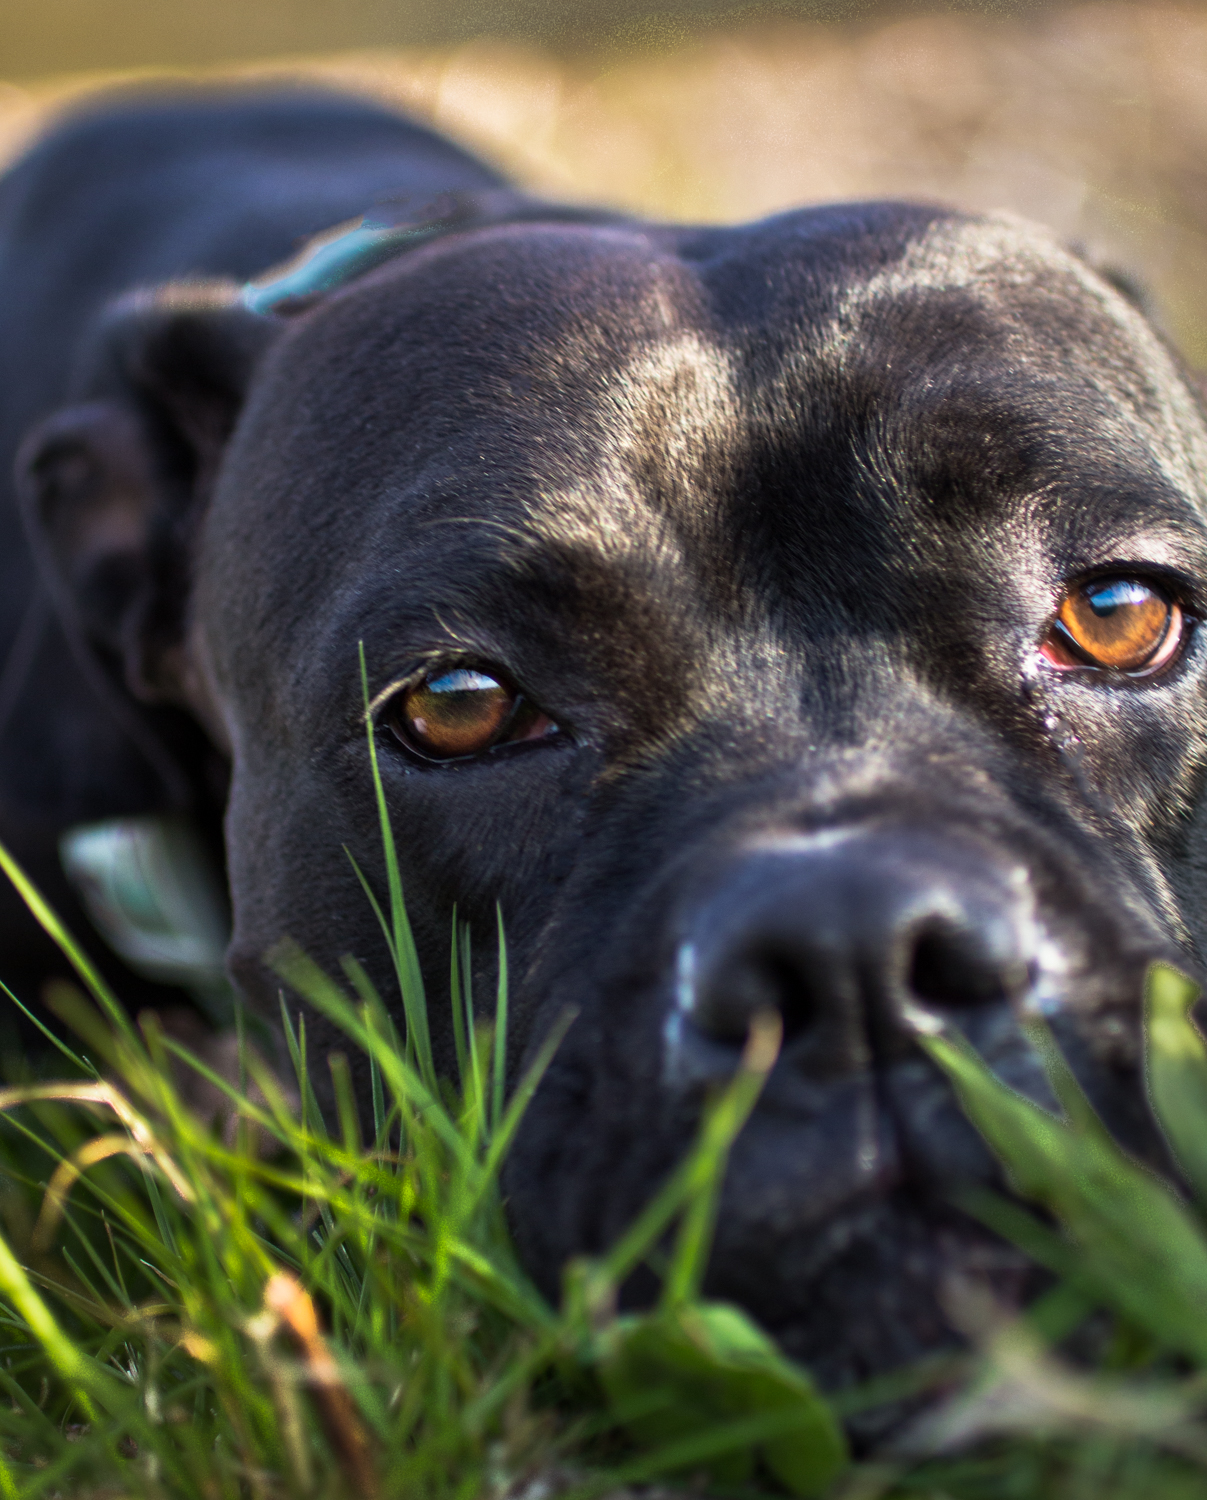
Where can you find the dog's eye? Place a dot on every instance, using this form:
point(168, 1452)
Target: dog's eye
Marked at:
point(453, 715)
point(1122, 624)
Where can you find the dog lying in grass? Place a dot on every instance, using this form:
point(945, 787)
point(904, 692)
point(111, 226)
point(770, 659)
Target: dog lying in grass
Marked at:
point(798, 617)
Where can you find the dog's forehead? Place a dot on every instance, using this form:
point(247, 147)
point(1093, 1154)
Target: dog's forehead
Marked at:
point(647, 400)
point(993, 315)
point(563, 351)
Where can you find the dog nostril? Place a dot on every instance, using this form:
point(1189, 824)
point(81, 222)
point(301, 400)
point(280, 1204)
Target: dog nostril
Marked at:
point(755, 982)
point(953, 967)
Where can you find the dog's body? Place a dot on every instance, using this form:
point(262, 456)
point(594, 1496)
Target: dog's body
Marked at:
point(753, 541)
point(131, 194)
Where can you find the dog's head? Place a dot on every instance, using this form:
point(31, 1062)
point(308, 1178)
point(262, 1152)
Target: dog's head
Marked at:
point(797, 616)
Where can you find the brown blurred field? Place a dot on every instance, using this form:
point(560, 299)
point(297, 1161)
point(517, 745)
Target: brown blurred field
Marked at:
point(1092, 118)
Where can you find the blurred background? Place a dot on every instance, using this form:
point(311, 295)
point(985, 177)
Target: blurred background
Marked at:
point(1090, 117)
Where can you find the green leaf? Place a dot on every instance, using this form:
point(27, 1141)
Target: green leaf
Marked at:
point(1176, 1062)
point(710, 1365)
point(1141, 1250)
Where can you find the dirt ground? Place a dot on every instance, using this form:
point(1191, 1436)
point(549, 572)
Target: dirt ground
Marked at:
point(1091, 118)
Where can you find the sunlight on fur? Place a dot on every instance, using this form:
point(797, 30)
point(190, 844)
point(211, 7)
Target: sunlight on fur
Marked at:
point(1092, 119)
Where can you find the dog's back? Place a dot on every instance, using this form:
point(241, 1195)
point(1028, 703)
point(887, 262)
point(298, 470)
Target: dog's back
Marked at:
point(130, 192)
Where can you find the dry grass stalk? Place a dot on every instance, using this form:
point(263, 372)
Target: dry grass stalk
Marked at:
point(285, 1296)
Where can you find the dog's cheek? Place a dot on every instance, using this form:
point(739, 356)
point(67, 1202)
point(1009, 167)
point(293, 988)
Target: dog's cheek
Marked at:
point(1187, 860)
point(502, 833)
point(486, 840)
point(1133, 761)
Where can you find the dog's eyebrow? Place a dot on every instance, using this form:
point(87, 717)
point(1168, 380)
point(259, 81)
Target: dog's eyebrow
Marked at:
point(1165, 544)
point(1126, 522)
point(573, 521)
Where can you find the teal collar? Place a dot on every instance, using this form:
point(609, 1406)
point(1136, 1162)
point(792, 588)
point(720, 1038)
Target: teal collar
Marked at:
point(327, 262)
point(152, 891)
point(393, 228)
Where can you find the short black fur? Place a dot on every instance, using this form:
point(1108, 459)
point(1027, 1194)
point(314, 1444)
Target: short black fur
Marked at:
point(771, 522)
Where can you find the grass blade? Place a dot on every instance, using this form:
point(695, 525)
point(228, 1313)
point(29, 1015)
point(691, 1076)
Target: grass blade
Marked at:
point(1139, 1246)
point(406, 959)
point(499, 1081)
point(71, 950)
point(1176, 1064)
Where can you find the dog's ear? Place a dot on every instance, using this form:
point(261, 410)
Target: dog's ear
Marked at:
point(113, 488)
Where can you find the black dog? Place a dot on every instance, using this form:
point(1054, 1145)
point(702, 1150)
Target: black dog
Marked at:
point(130, 193)
point(800, 615)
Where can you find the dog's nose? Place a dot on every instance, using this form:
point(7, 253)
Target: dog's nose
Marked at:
point(841, 932)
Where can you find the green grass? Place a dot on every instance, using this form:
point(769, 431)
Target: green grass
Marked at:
point(274, 1306)
point(172, 1343)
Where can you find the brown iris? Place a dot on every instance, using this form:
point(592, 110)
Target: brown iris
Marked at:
point(1122, 624)
point(451, 715)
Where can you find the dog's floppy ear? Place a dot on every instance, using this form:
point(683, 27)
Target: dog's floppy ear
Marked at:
point(113, 487)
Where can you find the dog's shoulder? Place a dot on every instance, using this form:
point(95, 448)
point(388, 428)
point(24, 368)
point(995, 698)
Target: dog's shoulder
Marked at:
point(216, 181)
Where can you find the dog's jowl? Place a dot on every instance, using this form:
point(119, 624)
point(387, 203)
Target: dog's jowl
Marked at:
point(799, 616)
